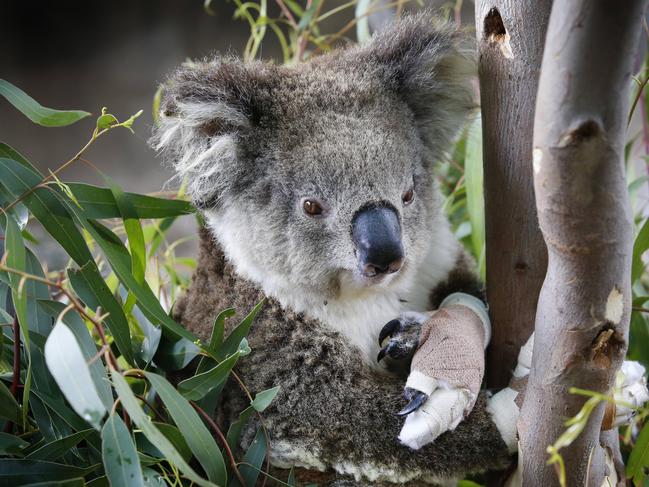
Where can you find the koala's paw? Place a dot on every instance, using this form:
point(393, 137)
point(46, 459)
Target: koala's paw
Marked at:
point(399, 338)
point(440, 412)
point(630, 391)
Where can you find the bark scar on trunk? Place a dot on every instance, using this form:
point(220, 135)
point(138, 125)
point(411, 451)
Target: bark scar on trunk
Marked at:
point(607, 345)
point(495, 32)
point(584, 131)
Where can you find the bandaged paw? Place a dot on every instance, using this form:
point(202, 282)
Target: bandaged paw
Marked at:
point(442, 411)
point(447, 369)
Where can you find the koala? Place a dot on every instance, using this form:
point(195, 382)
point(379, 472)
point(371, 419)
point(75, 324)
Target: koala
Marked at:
point(318, 194)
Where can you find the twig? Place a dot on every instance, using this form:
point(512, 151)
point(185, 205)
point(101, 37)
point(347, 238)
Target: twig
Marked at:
point(54, 173)
point(287, 13)
point(222, 439)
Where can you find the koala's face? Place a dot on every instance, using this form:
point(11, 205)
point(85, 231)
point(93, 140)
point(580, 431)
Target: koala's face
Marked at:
point(321, 175)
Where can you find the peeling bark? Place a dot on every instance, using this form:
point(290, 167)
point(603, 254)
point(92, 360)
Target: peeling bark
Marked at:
point(510, 36)
point(582, 321)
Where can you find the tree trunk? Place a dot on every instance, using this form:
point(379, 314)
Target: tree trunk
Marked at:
point(581, 196)
point(511, 34)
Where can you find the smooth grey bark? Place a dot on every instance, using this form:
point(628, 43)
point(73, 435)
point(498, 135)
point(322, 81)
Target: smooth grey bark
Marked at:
point(510, 35)
point(584, 306)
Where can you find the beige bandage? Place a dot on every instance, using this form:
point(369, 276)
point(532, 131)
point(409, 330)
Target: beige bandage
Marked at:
point(451, 351)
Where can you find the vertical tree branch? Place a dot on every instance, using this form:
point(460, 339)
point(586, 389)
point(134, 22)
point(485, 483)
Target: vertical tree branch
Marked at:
point(584, 306)
point(510, 35)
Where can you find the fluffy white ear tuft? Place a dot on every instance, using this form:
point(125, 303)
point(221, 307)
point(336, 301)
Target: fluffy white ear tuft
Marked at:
point(205, 109)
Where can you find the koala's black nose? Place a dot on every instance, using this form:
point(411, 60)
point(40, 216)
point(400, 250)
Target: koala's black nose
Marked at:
point(377, 235)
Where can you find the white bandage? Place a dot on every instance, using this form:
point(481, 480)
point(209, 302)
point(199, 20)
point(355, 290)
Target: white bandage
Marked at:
point(441, 412)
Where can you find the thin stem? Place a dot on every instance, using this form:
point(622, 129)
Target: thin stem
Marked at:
point(287, 13)
point(222, 439)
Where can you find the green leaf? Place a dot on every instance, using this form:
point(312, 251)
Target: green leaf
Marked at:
point(254, 458)
point(640, 245)
point(473, 177)
point(218, 330)
point(133, 232)
point(119, 455)
point(23, 471)
point(197, 386)
point(306, 19)
point(9, 408)
point(263, 399)
point(198, 437)
point(67, 365)
point(106, 120)
point(11, 445)
point(18, 176)
point(94, 292)
point(98, 203)
point(120, 262)
point(153, 478)
point(37, 113)
point(639, 458)
point(56, 449)
point(234, 432)
point(88, 347)
point(172, 356)
point(232, 342)
point(129, 402)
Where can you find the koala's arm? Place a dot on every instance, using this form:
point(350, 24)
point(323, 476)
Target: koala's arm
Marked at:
point(334, 411)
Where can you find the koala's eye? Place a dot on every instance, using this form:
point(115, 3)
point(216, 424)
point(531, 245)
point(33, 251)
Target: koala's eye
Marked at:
point(312, 207)
point(408, 196)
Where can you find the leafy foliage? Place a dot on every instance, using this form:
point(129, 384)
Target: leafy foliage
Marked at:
point(85, 352)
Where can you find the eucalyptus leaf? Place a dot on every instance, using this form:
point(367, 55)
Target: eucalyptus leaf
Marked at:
point(11, 445)
point(37, 113)
point(22, 471)
point(198, 437)
point(92, 289)
point(263, 399)
point(98, 203)
point(639, 458)
point(175, 355)
point(233, 341)
point(56, 449)
point(88, 347)
point(252, 461)
point(197, 386)
point(129, 402)
point(70, 371)
point(9, 408)
point(118, 452)
point(19, 177)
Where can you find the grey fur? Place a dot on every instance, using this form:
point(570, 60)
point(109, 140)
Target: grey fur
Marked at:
point(353, 128)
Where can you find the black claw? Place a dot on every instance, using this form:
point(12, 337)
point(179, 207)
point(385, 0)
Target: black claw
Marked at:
point(381, 354)
point(417, 398)
point(389, 329)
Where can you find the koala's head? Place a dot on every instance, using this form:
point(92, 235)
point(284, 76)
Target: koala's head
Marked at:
point(320, 175)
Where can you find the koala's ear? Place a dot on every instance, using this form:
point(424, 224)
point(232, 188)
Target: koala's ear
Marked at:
point(205, 110)
point(431, 67)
